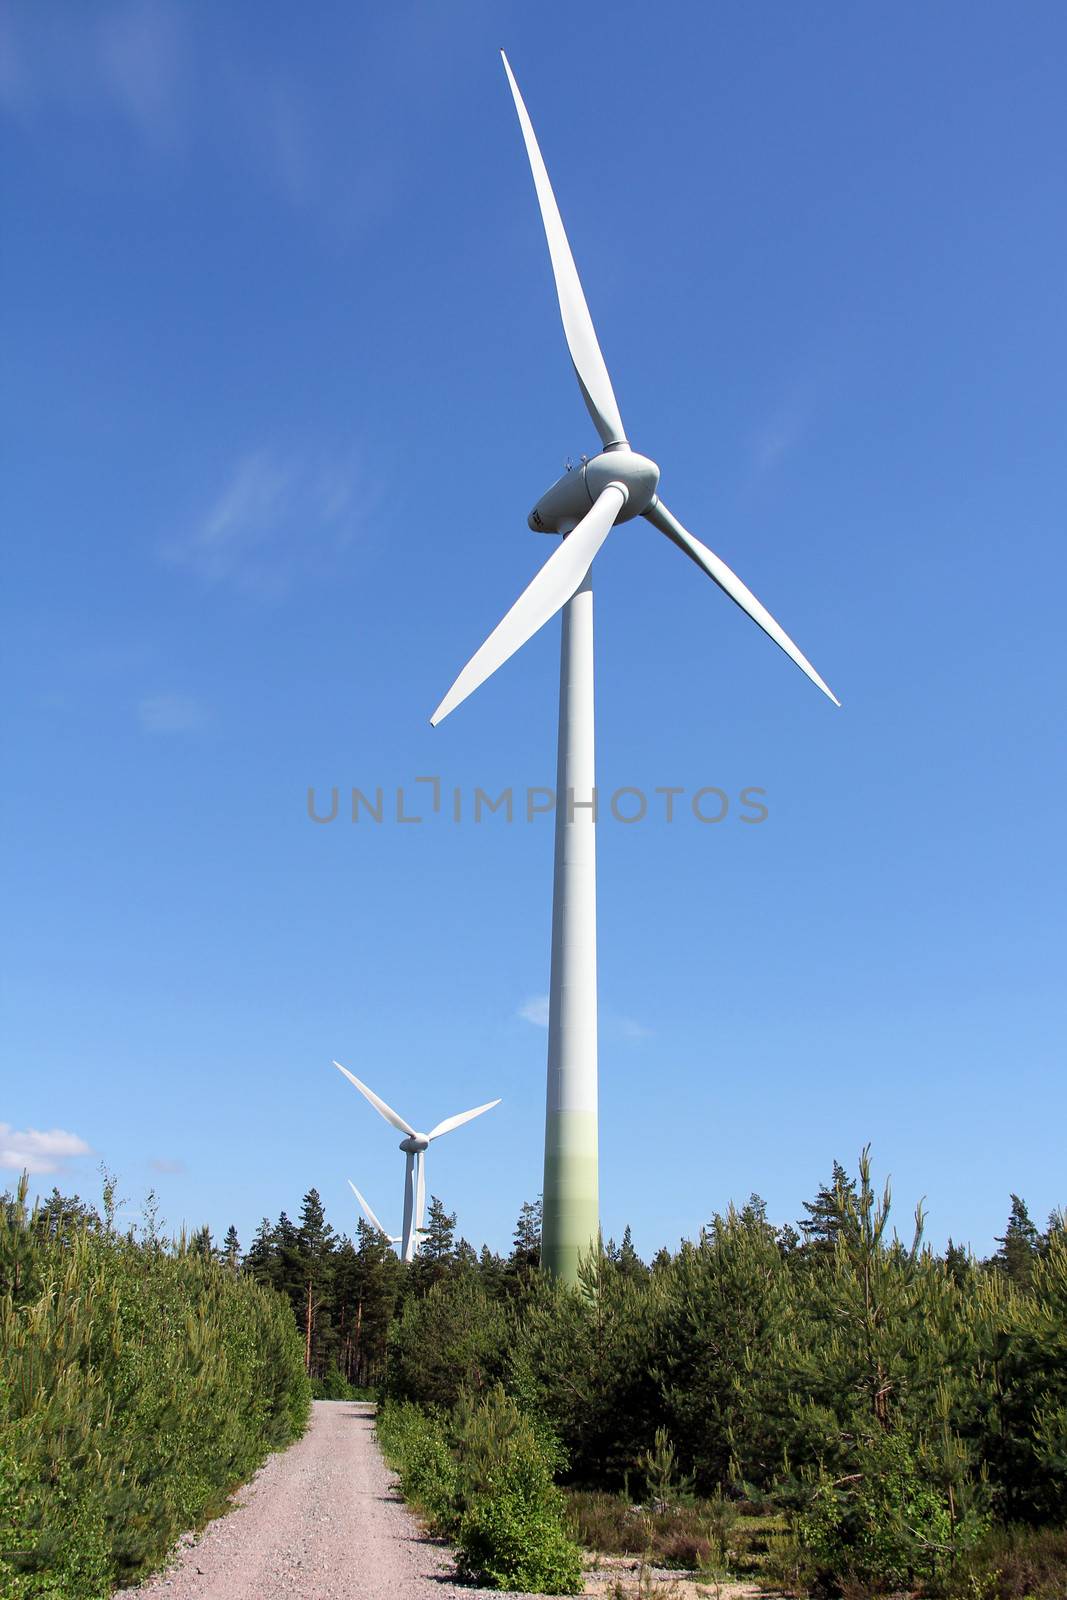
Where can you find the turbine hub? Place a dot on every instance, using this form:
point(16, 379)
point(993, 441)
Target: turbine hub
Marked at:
point(571, 496)
point(416, 1142)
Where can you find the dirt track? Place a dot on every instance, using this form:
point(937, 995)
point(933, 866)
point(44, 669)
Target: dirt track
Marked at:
point(319, 1522)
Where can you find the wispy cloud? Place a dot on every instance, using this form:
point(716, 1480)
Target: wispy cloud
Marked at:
point(34, 1151)
point(140, 48)
point(783, 429)
point(168, 1164)
point(169, 713)
point(128, 59)
point(535, 1010)
point(274, 516)
point(630, 1028)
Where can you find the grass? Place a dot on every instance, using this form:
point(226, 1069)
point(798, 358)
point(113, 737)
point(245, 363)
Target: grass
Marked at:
point(706, 1536)
point(1016, 1564)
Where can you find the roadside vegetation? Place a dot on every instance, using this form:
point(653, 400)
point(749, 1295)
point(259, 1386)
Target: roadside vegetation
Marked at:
point(140, 1382)
point(820, 1409)
point(824, 1409)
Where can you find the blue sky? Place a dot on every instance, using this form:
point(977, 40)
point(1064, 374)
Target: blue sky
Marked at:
point(284, 376)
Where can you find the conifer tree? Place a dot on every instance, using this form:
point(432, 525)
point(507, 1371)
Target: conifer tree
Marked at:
point(526, 1241)
point(1019, 1245)
point(262, 1253)
point(822, 1224)
point(957, 1263)
point(315, 1242)
point(201, 1244)
point(436, 1253)
point(630, 1263)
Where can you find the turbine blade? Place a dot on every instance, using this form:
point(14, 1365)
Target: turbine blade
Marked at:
point(559, 578)
point(379, 1105)
point(577, 323)
point(457, 1122)
point(367, 1212)
point(731, 585)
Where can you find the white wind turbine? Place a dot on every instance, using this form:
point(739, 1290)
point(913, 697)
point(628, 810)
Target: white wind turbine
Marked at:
point(584, 505)
point(414, 1146)
point(364, 1206)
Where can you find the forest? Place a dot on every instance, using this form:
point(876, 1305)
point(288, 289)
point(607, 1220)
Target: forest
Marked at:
point(821, 1405)
point(891, 1417)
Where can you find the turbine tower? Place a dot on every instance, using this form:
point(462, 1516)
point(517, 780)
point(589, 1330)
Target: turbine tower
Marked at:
point(414, 1146)
point(583, 505)
point(390, 1238)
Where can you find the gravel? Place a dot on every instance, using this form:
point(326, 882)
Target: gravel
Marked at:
point(320, 1521)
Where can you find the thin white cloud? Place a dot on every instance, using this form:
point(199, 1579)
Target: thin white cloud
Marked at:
point(784, 429)
point(128, 59)
point(168, 1164)
point(169, 713)
point(275, 515)
point(140, 52)
point(31, 1150)
point(535, 1010)
point(630, 1028)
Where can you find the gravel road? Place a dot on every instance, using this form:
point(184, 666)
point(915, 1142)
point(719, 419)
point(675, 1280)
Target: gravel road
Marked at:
point(320, 1521)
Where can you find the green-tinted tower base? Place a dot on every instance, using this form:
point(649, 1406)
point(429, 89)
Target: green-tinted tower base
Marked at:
point(571, 1221)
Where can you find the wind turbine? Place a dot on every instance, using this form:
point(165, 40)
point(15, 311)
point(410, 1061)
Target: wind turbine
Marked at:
point(583, 505)
point(390, 1238)
point(414, 1146)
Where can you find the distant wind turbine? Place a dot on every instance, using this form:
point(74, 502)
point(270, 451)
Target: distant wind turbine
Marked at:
point(390, 1238)
point(414, 1146)
point(584, 506)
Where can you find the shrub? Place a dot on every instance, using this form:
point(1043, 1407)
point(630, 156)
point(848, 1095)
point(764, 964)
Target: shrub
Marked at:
point(484, 1476)
point(511, 1532)
point(335, 1386)
point(510, 1540)
point(444, 1343)
point(137, 1388)
point(1013, 1564)
point(886, 1526)
point(414, 1444)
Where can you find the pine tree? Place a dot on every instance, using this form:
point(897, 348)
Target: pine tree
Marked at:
point(377, 1283)
point(1019, 1245)
point(263, 1253)
point(315, 1242)
point(439, 1232)
point(201, 1244)
point(494, 1273)
point(957, 1263)
point(630, 1263)
point(231, 1249)
point(1057, 1227)
point(822, 1224)
point(436, 1254)
point(526, 1242)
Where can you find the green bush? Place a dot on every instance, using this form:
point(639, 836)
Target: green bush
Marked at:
point(137, 1388)
point(483, 1476)
point(886, 1526)
point(509, 1540)
point(414, 1444)
point(335, 1386)
point(1016, 1563)
point(444, 1343)
point(511, 1532)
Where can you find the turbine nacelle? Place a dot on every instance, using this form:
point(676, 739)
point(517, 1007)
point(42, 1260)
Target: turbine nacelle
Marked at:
point(414, 1143)
point(573, 495)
